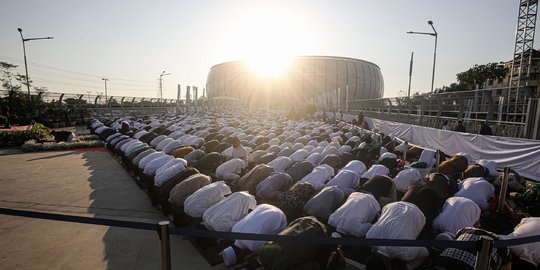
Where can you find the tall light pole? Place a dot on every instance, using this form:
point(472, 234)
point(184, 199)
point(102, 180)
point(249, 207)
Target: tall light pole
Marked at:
point(410, 76)
point(105, 79)
point(434, 34)
point(161, 83)
point(24, 52)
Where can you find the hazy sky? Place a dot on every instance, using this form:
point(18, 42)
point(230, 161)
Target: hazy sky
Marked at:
point(132, 42)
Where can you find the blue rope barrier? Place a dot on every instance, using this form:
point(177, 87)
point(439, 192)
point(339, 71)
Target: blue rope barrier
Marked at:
point(346, 241)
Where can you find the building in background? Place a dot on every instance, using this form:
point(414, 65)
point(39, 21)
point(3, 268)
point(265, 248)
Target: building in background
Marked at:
point(324, 81)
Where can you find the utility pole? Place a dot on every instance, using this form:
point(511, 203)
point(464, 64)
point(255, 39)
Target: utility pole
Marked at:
point(161, 83)
point(105, 79)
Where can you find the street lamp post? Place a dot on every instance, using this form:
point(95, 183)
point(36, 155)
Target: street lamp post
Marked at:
point(434, 34)
point(24, 52)
point(161, 83)
point(105, 79)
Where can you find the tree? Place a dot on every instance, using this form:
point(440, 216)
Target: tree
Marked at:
point(478, 75)
point(7, 76)
point(453, 87)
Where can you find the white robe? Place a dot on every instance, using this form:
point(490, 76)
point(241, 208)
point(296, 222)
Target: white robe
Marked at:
point(274, 141)
point(280, 164)
point(157, 140)
point(407, 177)
point(124, 147)
point(299, 155)
point(400, 220)
point(319, 176)
point(161, 145)
point(166, 172)
point(273, 149)
point(457, 213)
point(223, 215)
point(344, 149)
point(387, 155)
point(478, 190)
point(264, 219)
point(202, 199)
point(270, 187)
point(239, 152)
point(329, 151)
point(345, 180)
point(152, 166)
point(139, 134)
point(376, 170)
point(230, 169)
point(314, 159)
point(529, 252)
point(354, 217)
point(356, 166)
point(145, 160)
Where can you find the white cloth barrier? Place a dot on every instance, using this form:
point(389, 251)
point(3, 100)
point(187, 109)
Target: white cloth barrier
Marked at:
point(520, 155)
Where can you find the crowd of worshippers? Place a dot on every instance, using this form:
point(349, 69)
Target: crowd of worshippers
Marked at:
point(266, 174)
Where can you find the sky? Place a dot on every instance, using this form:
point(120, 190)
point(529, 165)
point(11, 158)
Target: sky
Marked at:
point(132, 42)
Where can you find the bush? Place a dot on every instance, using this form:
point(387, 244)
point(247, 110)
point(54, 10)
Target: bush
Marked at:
point(32, 146)
point(17, 138)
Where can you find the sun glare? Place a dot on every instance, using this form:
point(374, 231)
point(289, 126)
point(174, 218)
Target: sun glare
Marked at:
point(267, 38)
point(269, 65)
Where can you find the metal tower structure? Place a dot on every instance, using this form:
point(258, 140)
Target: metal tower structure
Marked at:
point(520, 71)
point(523, 46)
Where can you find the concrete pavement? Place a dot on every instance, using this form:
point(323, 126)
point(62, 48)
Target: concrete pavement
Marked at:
point(79, 183)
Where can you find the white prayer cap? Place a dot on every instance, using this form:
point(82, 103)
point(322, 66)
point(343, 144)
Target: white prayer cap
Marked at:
point(229, 256)
point(382, 151)
point(470, 159)
point(490, 165)
point(387, 155)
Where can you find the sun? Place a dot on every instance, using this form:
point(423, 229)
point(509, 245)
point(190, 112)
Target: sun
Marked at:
point(267, 38)
point(269, 65)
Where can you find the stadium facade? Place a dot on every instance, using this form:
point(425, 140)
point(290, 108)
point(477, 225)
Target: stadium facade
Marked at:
point(325, 81)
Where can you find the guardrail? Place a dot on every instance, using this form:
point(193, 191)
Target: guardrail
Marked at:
point(482, 246)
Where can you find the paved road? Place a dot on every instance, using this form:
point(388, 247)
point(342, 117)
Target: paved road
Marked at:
point(79, 183)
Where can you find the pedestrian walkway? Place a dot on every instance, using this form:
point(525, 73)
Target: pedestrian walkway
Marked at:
point(79, 183)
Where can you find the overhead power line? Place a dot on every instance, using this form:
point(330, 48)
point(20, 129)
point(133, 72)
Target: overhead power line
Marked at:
point(71, 71)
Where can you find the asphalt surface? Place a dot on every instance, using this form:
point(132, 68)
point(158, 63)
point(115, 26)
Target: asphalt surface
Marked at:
point(89, 184)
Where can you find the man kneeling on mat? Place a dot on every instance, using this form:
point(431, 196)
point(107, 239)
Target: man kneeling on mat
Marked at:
point(264, 219)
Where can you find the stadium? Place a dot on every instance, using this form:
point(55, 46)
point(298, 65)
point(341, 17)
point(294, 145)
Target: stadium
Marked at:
point(320, 80)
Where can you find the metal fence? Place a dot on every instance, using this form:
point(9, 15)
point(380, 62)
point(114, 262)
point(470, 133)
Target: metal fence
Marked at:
point(510, 112)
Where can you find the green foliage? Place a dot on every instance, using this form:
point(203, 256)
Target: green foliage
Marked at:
point(23, 110)
point(17, 138)
point(480, 74)
point(477, 75)
point(32, 146)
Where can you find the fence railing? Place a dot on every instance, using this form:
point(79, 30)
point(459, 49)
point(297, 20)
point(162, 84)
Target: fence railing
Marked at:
point(510, 112)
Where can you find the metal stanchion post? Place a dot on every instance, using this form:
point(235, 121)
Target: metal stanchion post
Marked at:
point(504, 188)
point(438, 158)
point(163, 232)
point(482, 255)
point(405, 152)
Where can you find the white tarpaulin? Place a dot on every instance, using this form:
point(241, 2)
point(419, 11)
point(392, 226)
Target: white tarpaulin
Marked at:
point(520, 155)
